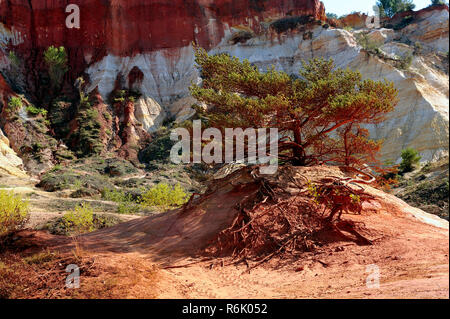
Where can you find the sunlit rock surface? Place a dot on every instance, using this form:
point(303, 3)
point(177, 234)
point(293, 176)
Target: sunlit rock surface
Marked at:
point(154, 39)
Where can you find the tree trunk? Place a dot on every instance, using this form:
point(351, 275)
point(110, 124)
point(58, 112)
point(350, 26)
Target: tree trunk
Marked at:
point(299, 154)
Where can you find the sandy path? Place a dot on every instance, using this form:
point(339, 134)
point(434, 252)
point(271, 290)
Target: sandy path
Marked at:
point(411, 251)
point(412, 258)
point(412, 261)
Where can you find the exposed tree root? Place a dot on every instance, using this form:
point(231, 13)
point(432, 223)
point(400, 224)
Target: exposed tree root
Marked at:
point(284, 216)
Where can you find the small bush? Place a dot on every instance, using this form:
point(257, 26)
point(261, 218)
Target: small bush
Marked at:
point(115, 195)
point(410, 159)
point(417, 48)
point(369, 45)
point(40, 258)
point(128, 208)
point(164, 196)
point(14, 213)
point(13, 58)
point(159, 149)
point(33, 110)
point(290, 23)
point(404, 23)
point(80, 220)
point(241, 36)
point(56, 60)
point(404, 63)
point(60, 227)
point(89, 133)
point(126, 203)
point(14, 104)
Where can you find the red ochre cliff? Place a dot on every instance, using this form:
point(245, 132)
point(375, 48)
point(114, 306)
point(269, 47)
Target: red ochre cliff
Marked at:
point(126, 27)
point(144, 46)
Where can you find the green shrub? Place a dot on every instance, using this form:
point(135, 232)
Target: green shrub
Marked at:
point(404, 62)
point(369, 45)
point(64, 178)
point(15, 104)
point(332, 16)
point(115, 195)
point(404, 23)
point(159, 149)
point(14, 213)
point(13, 58)
point(33, 110)
point(56, 60)
point(89, 132)
point(126, 203)
point(164, 196)
point(58, 226)
point(242, 36)
point(80, 220)
point(40, 258)
point(410, 159)
point(290, 23)
point(128, 208)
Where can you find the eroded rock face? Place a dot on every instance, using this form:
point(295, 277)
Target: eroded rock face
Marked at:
point(10, 163)
point(148, 43)
point(121, 37)
point(430, 27)
point(123, 27)
point(421, 118)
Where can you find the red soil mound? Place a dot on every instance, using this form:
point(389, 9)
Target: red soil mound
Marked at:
point(214, 224)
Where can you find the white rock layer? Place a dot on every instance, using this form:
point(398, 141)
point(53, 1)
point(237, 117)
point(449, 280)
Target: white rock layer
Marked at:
point(419, 121)
point(10, 163)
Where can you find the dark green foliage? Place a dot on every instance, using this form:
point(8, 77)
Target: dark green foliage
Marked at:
point(59, 116)
point(391, 7)
point(405, 22)
point(100, 221)
point(33, 110)
point(84, 192)
point(112, 167)
point(64, 155)
point(87, 139)
point(242, 36)
point(14, 105)
point(290, 23)
point(308, 109)
point(89, 142)
point(56, 60)
point(158, 149)
point(438, 2)
point(64, 179)
point(130, 183)
point(121, 96)
point(410, 159)
point(428, 189)
point(332, 15)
